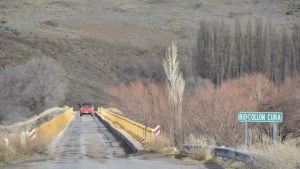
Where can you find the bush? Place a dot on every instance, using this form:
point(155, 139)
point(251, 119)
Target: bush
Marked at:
point(287, 101)
point(145, 103)
point(275, 156)
point(16, 150)
point(161, 144)
point(30, 88)
point(212, 112)
point(202, 154)
point(207, 111)
point(145, 69)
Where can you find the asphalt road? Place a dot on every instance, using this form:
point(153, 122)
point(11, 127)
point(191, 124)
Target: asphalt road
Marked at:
point(89, 144)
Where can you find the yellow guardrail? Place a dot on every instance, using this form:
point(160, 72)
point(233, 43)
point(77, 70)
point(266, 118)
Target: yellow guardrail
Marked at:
point(141, 132)
point(55, 125)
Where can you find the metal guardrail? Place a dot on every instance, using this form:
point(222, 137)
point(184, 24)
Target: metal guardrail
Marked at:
point(236, 154)
point(141, 132)
point(51, 128)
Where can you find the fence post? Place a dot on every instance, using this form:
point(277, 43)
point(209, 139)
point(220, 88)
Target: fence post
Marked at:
point(118, 122)
point(145, 132)
point(6, 142)
point(23, 137)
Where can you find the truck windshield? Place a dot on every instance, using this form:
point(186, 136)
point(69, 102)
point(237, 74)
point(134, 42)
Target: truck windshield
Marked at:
point(87, 105)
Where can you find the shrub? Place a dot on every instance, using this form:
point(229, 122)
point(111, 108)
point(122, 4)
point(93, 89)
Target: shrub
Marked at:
point(30, 88)
point(275, 156)
point(146, 70)
point(161, 144)
point(145, 103)
point(16, 150)
point(202, 154)
point(211, 112)
point(287, 101)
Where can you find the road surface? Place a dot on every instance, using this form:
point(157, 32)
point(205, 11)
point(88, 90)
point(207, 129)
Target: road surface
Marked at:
point(89, 144)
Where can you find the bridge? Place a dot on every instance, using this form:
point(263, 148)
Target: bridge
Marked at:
point(105, 140)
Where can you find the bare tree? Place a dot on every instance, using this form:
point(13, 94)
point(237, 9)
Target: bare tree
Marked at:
point(296, 46)
point(267, 50)
point(203, 51)
point(239, 48)
point(30, 88)
point(212, 55)
point(258, 48)
point(258, 44)
point(176, 86)
point(285, 54)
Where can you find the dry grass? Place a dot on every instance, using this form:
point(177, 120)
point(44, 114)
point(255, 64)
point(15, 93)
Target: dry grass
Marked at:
point(200, 140)
point(162, 144)
point(276, 156)
point(203, 154)
point(18, 151)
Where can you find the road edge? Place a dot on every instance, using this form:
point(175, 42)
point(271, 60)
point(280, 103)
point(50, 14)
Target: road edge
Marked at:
point(54, 142)
point(134, 145)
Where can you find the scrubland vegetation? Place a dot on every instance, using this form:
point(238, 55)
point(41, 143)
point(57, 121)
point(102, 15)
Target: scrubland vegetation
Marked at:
point(212, 111)
point(11, 146)
point(252, 69)
point(278, 155)
point(26, 91)
point(16, 150)
point(31, 88)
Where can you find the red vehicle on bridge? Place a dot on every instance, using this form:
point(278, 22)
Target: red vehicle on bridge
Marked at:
point(87, 108)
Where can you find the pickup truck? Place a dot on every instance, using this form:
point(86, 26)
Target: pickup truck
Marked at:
point(86, 108)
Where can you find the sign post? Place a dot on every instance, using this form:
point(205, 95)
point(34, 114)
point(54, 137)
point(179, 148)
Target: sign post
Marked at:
point(23, 137)
point(259, 117)
point(274, 131)
point(246, 134)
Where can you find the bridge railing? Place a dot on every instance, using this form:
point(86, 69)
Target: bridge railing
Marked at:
point(52, 127)
point(141, 132)
point(221, 151)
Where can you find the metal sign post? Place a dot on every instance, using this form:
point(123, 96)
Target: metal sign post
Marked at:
point(274, 131)
point(246, 134)
point(267, 117)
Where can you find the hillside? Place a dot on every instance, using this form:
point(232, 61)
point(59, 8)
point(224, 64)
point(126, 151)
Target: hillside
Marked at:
point(97, 42)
